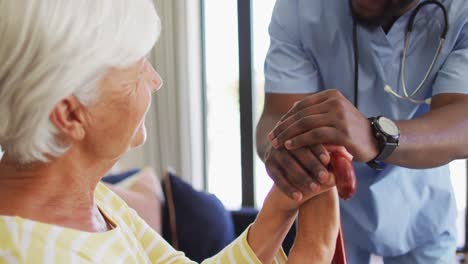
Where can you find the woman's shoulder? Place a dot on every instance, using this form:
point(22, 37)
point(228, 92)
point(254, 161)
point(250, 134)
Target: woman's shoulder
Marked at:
point(9, 232)
point(105, 197)
point(114, 207)
point(11, 242)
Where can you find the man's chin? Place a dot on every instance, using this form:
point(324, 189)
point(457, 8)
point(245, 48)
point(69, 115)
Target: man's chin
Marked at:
point(386, 15)
point(369, 22)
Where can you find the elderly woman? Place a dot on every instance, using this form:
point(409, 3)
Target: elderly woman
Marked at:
point(74, 90)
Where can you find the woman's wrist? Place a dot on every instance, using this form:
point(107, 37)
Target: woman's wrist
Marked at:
point(310, 254)
point(281, 203)
point(317, 249)
point(273, 222)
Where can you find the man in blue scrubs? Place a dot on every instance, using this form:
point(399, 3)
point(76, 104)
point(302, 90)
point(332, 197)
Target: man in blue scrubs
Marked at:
point(406, 211)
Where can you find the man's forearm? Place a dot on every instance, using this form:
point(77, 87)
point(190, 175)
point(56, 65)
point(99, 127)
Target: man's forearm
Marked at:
point(265, 125)
point(434, 139)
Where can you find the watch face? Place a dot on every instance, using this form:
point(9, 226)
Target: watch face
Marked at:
point(388, 126)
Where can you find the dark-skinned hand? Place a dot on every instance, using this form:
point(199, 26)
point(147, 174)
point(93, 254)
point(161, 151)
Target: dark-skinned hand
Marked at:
point(326, 118)
point(291, 171)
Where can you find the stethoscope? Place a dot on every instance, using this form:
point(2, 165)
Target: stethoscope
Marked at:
point(405, 96)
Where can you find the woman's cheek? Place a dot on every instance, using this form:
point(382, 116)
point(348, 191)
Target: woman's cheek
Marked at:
point(146, 91)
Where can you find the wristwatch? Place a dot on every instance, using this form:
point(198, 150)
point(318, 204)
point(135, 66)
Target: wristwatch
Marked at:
point(387, 134)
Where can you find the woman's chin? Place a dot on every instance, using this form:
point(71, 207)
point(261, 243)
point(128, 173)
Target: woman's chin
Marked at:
point(140, 137)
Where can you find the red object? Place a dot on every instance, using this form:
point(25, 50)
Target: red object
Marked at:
point(345, 179)
point(340, 251)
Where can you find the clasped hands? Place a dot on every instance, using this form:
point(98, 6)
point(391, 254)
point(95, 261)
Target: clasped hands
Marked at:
point(311, 150)
point(313, 144)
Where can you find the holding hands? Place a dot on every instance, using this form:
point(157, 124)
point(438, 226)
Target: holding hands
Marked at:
point(306, 154)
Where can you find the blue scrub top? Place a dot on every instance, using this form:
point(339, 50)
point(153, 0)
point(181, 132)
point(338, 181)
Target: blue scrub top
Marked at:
point(311, 49)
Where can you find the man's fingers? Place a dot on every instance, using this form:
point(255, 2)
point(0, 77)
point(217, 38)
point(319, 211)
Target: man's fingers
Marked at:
point(322, 135)
point(315, 169)
point(301, 121)
point(322, 153)
point(312, 100)
point(291, 111)
point(338, 149)
point(302, 126)
point(322, 188)
point(295, 173)
point(302, 172)
point(288, 120)
point(283, 183)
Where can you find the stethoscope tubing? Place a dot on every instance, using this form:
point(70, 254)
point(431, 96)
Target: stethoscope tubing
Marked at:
point(406, 96)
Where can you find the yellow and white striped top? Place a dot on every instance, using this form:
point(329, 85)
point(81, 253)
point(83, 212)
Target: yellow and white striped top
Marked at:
point(131, 241)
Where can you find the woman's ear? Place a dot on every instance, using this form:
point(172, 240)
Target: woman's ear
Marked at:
point(68, 118)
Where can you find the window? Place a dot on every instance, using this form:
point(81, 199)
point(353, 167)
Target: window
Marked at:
point(222, 97)
point(262, 10)
point(458, 172)
point(222, 101)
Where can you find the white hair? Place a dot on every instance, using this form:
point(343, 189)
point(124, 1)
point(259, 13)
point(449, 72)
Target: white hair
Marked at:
point(51, 49)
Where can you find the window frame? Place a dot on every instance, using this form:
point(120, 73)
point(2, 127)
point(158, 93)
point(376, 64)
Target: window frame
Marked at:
point(246, 99)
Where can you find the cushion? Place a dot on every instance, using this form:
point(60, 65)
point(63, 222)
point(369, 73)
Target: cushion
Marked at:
point(141, 190)
point(195, 222)
point(114, 178)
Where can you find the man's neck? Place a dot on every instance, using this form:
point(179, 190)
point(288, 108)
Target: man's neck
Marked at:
point(388, 25)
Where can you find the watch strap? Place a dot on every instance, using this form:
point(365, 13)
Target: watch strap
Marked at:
point(386, 151)
point(376, 165)
point(386, 146)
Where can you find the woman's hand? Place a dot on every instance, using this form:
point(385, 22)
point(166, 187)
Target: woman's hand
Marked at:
point(285, 205)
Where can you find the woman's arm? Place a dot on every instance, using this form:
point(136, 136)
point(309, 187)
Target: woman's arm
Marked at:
point(319, 217)
point(272, 225)
point(317, 231)
point(318, 227)
point(260, 243)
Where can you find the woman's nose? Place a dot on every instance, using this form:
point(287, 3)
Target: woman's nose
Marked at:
point(154, 78)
